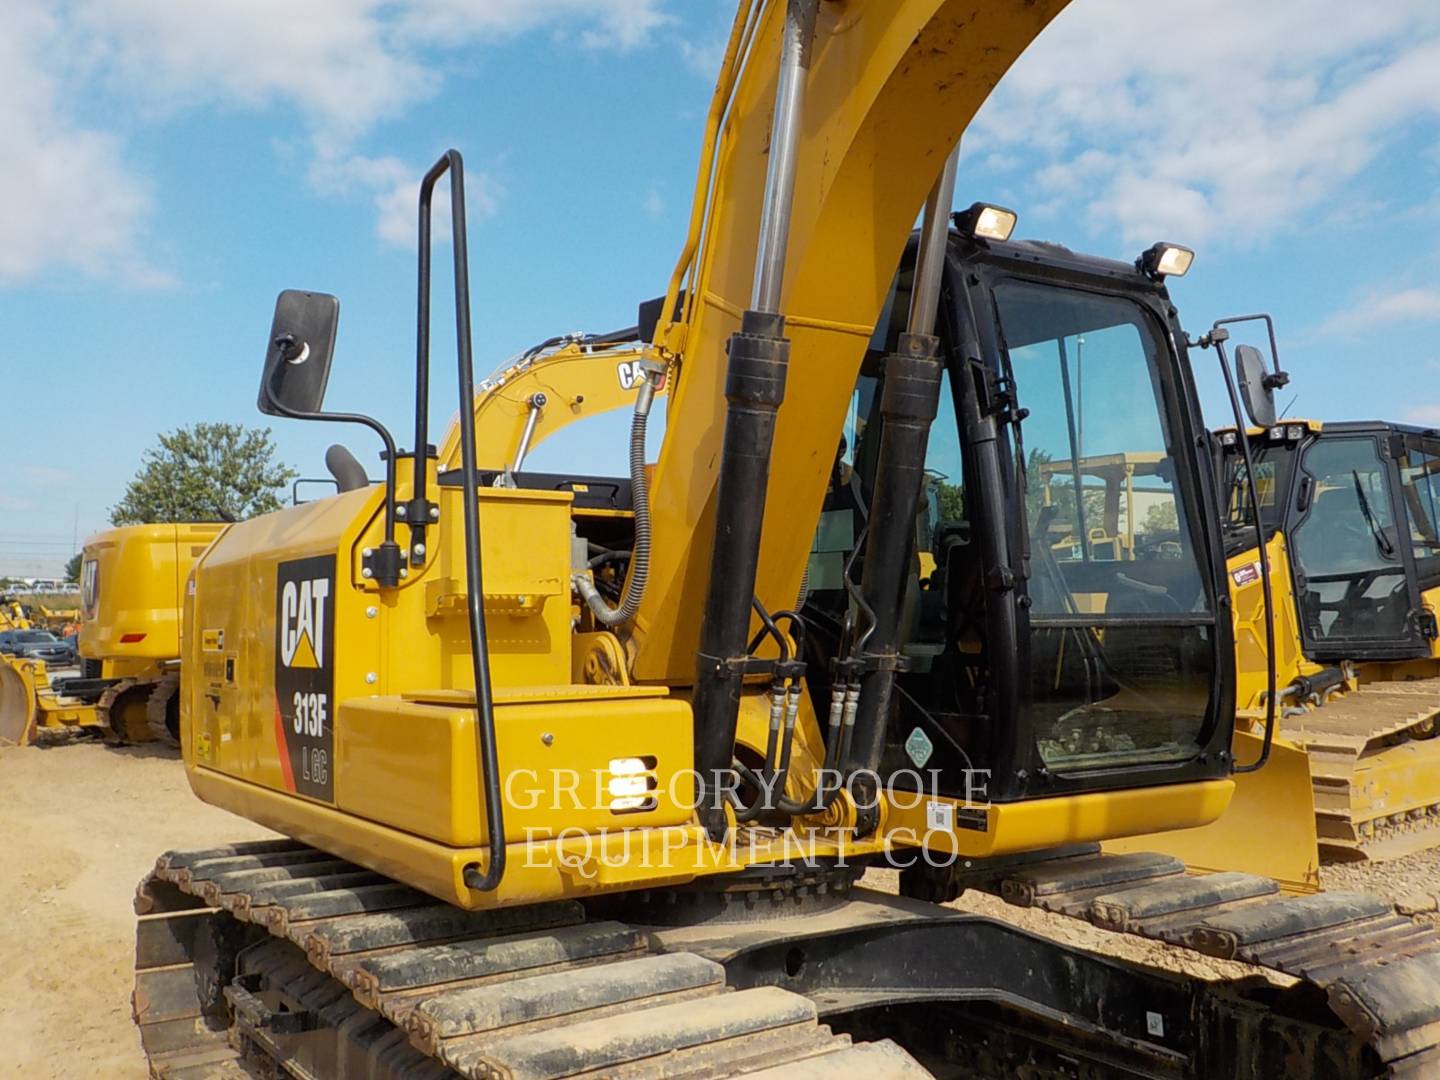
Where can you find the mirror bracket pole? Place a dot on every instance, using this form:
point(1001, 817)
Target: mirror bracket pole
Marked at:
point(383, 564)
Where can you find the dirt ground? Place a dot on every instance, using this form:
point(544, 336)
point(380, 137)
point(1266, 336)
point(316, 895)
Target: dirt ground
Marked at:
point(81, 823)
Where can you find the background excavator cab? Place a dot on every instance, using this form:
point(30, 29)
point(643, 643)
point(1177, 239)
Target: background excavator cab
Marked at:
point(1357, 502)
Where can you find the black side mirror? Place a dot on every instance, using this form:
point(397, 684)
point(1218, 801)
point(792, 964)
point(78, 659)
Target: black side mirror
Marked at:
point(297, 358)
point(1255, 387)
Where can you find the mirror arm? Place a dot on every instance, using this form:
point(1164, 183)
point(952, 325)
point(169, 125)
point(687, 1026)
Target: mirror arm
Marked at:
point(386, 563)
point(1217, 338)
point(1280, 377)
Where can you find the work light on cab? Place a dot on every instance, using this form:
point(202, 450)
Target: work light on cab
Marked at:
point(986, 222)
point(1166, 260)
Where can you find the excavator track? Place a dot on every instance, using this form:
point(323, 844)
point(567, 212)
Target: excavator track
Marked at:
point(418, 989)
point(1375, 767)
point(276, 956)
point(162, 710)
point(122, 711)
point(1379, 971)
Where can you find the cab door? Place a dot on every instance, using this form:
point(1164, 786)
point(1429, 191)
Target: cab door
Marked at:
point(1419, 465)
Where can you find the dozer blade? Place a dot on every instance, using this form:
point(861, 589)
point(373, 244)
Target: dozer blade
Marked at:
point(1376, 769)
point(28, 705)
point(1268, 829)
point(17, 703)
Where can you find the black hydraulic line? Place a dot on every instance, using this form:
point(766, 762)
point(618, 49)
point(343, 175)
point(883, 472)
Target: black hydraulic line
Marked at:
point(768, 628)
point(613, 337)
point(488, 759)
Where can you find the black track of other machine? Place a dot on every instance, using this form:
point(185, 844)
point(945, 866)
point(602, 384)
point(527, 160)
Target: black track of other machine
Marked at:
point(275, 958)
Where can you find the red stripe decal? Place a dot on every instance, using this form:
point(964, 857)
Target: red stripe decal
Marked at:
point(286, 771)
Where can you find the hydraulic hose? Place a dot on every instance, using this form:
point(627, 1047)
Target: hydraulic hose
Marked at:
point(635, 580)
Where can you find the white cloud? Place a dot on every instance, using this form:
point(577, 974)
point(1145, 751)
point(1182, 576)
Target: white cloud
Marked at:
point(596, 24)
point(70, 200)
point(394, 187)
point(1425, 414)
point(333, 60)
point(705, 57)
point(1137, 128)
point(47, 474)
point(1419, 305)
point(653, 204)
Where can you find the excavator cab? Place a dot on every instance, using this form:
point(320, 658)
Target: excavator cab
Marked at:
point(1064, 411)
point(1358, 503)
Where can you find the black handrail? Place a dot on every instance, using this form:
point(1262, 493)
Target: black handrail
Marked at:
point(488, 759)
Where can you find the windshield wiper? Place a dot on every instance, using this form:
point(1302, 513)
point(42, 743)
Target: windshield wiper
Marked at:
point(1381, 540)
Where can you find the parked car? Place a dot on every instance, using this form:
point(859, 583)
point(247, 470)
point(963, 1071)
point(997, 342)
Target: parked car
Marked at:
point(38, 645)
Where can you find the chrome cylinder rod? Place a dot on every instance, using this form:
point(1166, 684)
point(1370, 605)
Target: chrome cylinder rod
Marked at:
point(930, 260)
point(785, 129)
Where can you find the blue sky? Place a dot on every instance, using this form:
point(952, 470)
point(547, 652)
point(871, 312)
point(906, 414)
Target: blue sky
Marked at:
point(170, 167)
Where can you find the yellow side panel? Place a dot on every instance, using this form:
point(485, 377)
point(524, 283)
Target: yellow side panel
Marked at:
point(1045, 823)
point(1247, 595)
point(412, 765)
point(525, 555)
point(386, 641)
point(132, 583)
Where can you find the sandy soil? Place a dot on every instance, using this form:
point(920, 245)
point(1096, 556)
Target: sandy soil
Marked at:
point(80, 824)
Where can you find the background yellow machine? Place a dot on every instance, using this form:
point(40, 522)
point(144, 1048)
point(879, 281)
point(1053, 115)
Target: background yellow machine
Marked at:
point(132, 584)
point(29, 703)
point(572, 789)
point(1353, 509)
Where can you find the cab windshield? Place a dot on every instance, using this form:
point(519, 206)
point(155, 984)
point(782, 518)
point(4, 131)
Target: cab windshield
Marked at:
point(1274, 467)
point(1350, 570)
point(1122, 625)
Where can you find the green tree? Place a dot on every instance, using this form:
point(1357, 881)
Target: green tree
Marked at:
point(205, 472)
point(1161, 517)
point(72, 567)
point(952, 502)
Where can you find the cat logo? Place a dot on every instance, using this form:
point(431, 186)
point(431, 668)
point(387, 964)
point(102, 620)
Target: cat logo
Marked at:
point(302, 622)
point(631, 374)
point(305, 675)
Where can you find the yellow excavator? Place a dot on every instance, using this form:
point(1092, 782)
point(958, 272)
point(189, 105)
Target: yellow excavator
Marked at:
point(568, 785)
